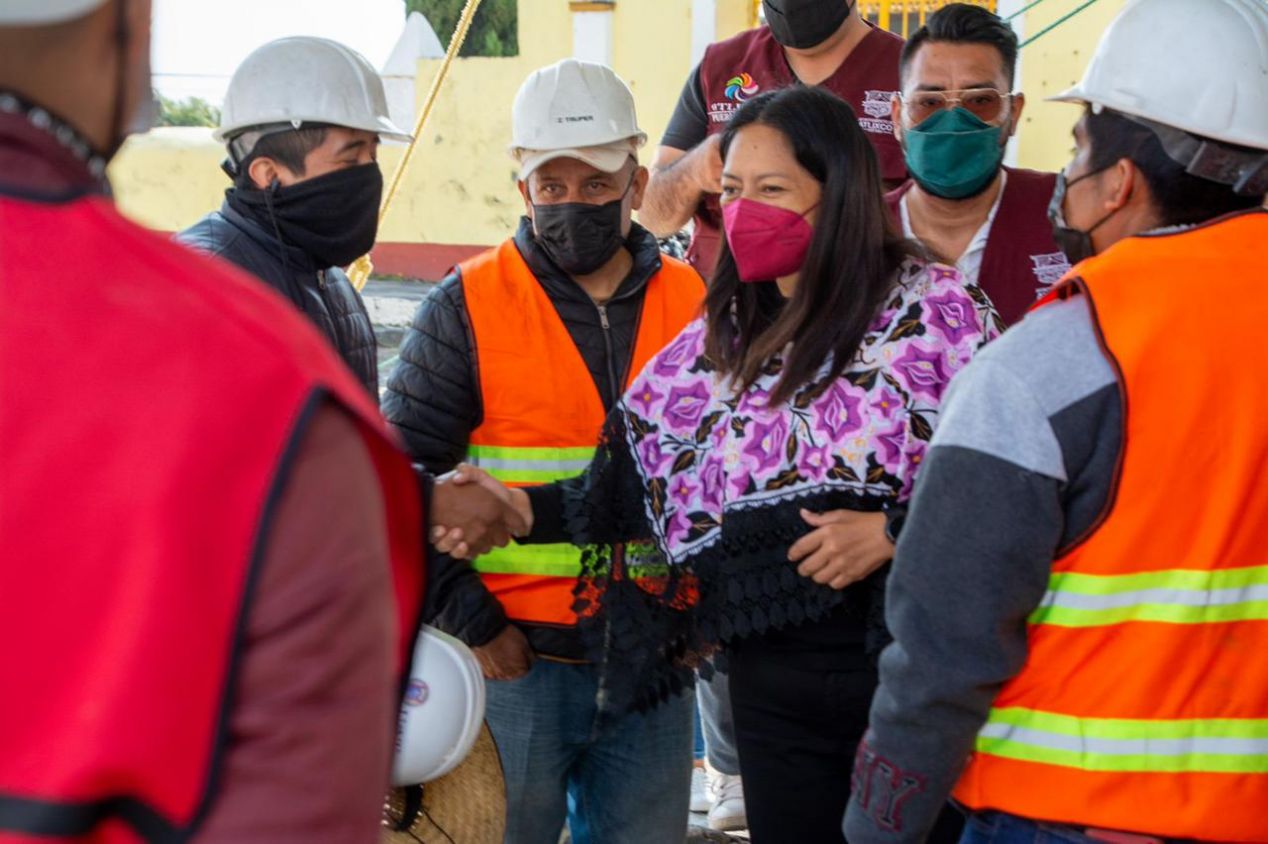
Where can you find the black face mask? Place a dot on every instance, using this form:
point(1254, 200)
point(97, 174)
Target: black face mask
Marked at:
point(1075, 243)
point(579, 237)
point(802, 24)
point(333, 218)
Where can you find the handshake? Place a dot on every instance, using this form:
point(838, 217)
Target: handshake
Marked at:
point(473, 513)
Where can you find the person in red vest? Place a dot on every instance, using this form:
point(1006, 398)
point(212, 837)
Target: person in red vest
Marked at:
point(211, 571)
point(809, 42)
point(512, 365)
point(954, 116)
point(1077, 600)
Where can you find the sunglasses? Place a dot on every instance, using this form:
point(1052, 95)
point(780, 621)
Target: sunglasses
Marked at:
point(986, 104)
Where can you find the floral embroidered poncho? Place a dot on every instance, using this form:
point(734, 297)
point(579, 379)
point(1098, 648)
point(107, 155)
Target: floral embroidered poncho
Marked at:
point(715, 480)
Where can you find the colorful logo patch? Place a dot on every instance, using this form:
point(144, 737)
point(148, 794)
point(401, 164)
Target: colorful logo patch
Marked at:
point(740, 88)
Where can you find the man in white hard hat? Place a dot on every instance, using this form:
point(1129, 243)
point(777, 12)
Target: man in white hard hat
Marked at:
point(512, 365)
point(203, 517)
point(302, 122)
point(1077, 599)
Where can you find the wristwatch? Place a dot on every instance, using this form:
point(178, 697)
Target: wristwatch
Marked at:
point(894, 519)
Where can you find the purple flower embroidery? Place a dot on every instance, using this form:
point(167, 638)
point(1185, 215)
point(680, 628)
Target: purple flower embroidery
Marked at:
point(837, 412)
point(677, 526)
point(886, 403)
point(754, 401)
point(890, 444)
point(923, 369)
point(653, 455)
point(685, 407)
point(815, 462)
point(766, 444)
point(674, 358)
point(682, 491)
point(953, 315)
point(643, 396)
point(712, 483)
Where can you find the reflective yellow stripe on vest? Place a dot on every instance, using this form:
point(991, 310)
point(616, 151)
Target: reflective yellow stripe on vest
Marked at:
point(1226, 745)
point(1178, 596)
point(515, 465)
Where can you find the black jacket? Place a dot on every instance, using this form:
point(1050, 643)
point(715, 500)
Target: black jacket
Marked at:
point(433, 399)
point(324, 294)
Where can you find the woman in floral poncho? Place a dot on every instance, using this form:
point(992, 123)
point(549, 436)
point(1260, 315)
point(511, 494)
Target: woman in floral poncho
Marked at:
point(812, 384)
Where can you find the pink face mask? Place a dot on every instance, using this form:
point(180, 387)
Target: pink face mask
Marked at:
point(766, 242)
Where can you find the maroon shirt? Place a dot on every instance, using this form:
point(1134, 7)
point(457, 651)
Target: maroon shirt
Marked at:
point(1022, 260)
point(752, 62)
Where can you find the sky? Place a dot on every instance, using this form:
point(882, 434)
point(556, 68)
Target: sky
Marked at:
point(198, 43)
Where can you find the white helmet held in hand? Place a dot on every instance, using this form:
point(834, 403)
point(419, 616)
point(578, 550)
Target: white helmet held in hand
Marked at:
point(442, 712)
point(44, 12)
point(293, 81)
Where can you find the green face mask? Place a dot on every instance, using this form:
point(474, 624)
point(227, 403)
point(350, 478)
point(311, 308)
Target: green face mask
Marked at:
point(953, 154)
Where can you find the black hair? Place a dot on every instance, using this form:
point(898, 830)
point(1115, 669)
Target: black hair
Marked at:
point(1179, 198)
point(849, 268)
point(964, 23)
point(288, 148)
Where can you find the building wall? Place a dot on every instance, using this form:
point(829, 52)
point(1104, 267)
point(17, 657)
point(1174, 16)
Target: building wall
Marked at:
point(1050, 65)
point(460, 192)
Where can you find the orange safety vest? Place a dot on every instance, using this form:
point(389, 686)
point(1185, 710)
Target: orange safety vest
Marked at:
point(1143, 705)
point(542, 412)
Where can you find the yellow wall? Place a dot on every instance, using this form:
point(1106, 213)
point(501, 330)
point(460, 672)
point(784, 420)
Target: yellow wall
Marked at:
point(1051, 65)
point(461, 184)
point(461, 187)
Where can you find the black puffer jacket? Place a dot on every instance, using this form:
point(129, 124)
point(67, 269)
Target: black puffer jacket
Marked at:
point(324, 294)
point(433, 399)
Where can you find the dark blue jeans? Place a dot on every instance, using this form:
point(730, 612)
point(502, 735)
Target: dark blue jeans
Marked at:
point(999, 828)
point(626, 783)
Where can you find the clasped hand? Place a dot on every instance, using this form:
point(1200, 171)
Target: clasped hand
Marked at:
point(844, 547)
point(473, 513)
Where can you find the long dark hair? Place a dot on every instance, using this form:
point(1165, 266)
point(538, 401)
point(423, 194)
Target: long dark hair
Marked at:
point(849, 268)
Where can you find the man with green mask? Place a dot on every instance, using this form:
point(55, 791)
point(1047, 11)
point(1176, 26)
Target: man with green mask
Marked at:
point(953, 117)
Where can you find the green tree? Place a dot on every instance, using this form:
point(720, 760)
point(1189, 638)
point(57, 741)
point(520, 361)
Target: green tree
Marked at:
point(494, 32)
point(191, 111)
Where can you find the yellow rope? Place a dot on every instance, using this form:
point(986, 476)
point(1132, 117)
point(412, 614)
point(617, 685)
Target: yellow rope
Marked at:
point(360, 270)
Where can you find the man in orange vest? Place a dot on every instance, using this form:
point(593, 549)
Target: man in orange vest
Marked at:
point(210, 577)
point(1079, 596)
point(512, 365)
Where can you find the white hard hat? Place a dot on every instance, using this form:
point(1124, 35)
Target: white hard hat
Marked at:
point(306, 80)
point(44, 12)
point(574, 109)
point(442, 712)
point(1201, 67)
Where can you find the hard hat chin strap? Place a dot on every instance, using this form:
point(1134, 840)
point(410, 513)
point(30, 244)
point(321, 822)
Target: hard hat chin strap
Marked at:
point(243, 144)
point(1243, 169)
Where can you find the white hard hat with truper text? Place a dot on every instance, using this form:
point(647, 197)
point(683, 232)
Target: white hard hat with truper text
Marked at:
point(574, 109)
point(306, 80)
point(44, 12)
point(1201, 67)
point(442, 712)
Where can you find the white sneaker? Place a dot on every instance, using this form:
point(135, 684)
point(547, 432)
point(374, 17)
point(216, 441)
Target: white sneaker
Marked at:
point(701, 799)
point(727, 791)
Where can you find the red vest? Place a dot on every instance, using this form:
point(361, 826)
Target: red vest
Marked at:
point(153, 403)
point(1022, 260)
point(739, 68)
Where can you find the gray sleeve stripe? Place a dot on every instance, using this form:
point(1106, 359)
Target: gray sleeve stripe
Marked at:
point(992, 411)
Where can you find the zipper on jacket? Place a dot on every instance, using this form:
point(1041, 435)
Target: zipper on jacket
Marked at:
point(613, 387)
point(321, 279)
